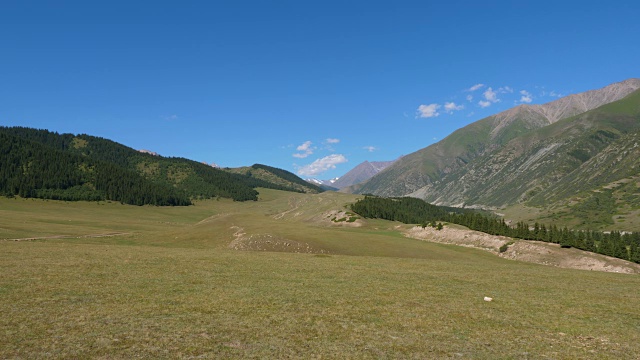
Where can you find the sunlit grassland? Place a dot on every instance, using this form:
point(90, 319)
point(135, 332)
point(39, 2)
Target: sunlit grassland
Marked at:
point(171, 288)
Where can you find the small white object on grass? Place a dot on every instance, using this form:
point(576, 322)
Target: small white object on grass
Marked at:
point(486, 298)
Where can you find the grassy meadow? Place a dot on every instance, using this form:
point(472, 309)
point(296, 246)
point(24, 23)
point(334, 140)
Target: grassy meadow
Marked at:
point(105, 280)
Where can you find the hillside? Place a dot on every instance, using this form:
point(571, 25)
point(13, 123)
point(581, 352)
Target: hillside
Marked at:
point(278, 177)
point(432, 164)
point(31, 169)
point(550, 163)
point(179, 177)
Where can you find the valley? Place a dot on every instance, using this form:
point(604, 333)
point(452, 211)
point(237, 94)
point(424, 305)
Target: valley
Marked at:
point(179, 282)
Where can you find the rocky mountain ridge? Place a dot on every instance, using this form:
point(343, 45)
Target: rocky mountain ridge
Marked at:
point(417, 173)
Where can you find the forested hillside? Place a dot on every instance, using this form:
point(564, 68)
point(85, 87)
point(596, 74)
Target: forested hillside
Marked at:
point(415, 211)
point(31, 169)
point(45, 164)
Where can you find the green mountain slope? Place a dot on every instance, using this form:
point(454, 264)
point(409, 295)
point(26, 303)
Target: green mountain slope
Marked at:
point(585, 167)
point(277, 176)
point(188, 178)
point(31, 169)
point(432, 164)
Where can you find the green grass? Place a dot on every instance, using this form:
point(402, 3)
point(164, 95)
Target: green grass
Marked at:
point(171, 288)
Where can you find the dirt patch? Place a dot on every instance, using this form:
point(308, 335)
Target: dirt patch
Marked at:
point(552, 254)
point(459, 237)
point(341, 218)
point(526, 250)
point(268, 242)
point(294, 204)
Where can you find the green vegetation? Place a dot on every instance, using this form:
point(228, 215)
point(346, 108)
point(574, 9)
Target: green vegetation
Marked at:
point(275, 178)
point(625, 246)
point(30, 169)
point(518, 160)
point(505, 247)
point(44, 164)
point(288, 177)
point(169, 286)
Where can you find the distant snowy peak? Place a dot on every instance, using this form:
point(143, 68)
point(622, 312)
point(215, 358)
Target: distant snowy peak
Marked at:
point(322, 182)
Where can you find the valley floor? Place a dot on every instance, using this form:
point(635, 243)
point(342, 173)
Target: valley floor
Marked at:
point(167, 284)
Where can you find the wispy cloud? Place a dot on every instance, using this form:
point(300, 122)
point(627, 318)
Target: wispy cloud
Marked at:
point(483, 104)
point(505, 90)
point(332, 141)
point(469, 98)
point(555, 94)
point(475, 87)
point(370, 148)
point(428, 111)
point(526, 96)
point(450, 107)
point(322, 165)
point(173, 117)
point(306, 150)
point(491, 95)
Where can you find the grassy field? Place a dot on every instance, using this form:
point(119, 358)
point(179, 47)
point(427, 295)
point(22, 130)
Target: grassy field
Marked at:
point(166, 284)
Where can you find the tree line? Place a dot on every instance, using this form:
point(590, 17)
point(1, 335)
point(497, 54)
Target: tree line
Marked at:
point(623, 245)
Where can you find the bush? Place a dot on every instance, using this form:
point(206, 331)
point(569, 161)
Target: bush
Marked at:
point(504, 247)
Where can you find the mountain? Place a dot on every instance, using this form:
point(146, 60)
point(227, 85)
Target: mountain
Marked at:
point(326, 185)
point(277, 176)
point(425, 171)
point(322, 182)
point(45, 164)
point(364, 171)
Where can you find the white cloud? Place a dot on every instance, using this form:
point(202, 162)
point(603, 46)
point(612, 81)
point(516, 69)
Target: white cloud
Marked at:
point(491, 95)
point(526, 96)
point(476, 87)
point(505, 89)
point(469, 98)
point(555, 94)
point(427, 111)
point(306, 150)
point(370, 148)
point(171, 117)
point(450, 107)
point(332, 141)
point(484, 104)
point(322, 165)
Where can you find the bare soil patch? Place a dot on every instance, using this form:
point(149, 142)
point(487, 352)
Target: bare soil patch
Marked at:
point(526, 250)
point(268, 242)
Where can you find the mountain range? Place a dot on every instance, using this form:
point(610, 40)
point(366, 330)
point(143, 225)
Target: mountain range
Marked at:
point(575, 151)
point(576, 158)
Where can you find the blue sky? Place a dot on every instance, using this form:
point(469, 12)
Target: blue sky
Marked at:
point(311, 87)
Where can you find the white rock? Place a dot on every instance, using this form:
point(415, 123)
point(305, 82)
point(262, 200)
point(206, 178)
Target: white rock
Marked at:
point(486, 298)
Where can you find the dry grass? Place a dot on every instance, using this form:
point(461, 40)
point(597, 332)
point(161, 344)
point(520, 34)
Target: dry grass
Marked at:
point(173, 289)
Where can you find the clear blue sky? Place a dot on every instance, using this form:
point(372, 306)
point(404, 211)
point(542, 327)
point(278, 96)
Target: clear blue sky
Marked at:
point(311, 87)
